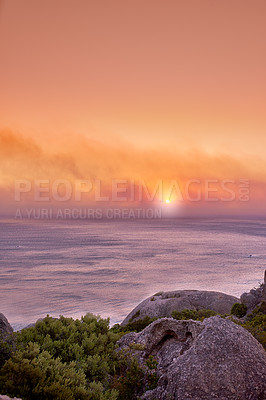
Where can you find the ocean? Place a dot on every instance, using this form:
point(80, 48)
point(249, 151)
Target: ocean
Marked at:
point(106, 268)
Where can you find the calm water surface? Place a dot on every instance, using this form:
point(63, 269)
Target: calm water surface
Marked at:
point(107, 268)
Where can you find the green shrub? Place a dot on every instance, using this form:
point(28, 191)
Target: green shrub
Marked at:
point(151, 362)
point(133, 379)
point(197, 315)
point(135, 326)
point(239, 310)
point(65, 346)
point(6, 348)
point(152, 375)
point(34, 375)
point(136, 315)
point(256, 323)
point(129, 381)
point(66, 359)
point(89, 342)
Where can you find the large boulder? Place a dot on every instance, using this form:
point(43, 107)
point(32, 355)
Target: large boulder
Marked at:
point(213, 359)
point(163, 304)
point(5, 327)
point(6, 340)
point(255, 297)
point(4, 397)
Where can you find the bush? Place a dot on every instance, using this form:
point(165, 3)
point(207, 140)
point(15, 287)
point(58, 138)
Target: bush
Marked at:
point(66, 359)
point(256, 323)
point(89, 342)
point(6, 348)
point(196, 315)
point(134, 379)
point(62, 359)
point(239, 310)
point(129, 380)
point(135, 326)
point(34, 375)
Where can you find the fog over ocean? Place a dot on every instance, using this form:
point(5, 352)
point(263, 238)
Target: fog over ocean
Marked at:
point(107, 267)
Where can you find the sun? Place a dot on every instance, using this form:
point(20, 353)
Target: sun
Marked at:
point(167, 201)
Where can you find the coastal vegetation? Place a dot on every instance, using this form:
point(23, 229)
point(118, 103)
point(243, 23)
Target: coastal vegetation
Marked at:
point(196, 315)
point(239, 310)
point(71, 359)
point(78, 359)
point(255, 323)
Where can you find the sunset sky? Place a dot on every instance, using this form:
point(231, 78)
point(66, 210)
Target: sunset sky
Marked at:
point(137, 90)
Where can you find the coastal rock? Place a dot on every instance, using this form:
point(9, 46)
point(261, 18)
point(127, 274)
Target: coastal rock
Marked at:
point(255, 297)
point(5, 327)
point(3, 397)
point(213, 359)
point(164, 303)
point(6, 340)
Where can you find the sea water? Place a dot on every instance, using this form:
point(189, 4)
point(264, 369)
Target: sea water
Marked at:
point(71, 268)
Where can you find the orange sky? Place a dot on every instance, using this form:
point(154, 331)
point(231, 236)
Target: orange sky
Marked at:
point(133, 89)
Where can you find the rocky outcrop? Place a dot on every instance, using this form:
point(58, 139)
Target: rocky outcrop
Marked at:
point(6, 340)
point(255, 297)
point(5, 327)
point(213, 359)
point(3, 397)
point(164, 303)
